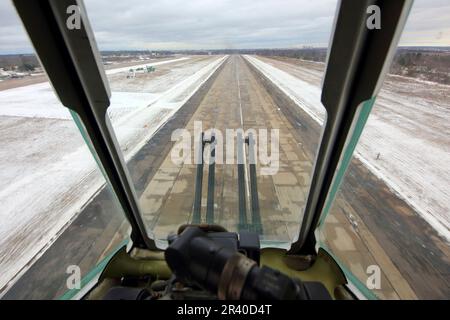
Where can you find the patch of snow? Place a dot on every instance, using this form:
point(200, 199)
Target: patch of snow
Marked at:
point(150, 64)
point(307, 96)
point(47, 174)
point(411, 132)
point(32, 101)
point(138, 126)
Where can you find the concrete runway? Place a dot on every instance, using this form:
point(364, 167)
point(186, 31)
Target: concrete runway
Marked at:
point(236, 100)
point(237, 96)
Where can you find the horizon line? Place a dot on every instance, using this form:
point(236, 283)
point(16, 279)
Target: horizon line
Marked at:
point(223, 49)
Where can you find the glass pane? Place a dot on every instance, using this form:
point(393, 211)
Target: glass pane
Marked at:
point(391, 214)
point(57, 214)
point(196, 67)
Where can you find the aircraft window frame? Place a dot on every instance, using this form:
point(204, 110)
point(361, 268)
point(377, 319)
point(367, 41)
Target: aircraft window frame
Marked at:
point(354, 75)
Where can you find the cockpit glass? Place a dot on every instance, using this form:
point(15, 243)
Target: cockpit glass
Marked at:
point(216, 108)
point(242, 79)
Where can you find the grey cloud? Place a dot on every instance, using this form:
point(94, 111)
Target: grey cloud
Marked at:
point(195, 24)
point(212, 24)
point(12, 34)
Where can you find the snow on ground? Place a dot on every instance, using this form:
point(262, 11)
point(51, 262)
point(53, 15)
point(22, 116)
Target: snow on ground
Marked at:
point(152, 64)
point(409, 127)
point(304, 94)
point(137, 127)
point(173, 74)
point(44, 104)
point(47, 173)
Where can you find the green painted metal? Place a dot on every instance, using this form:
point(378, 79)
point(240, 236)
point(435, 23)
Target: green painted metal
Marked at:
point(123, 265)
point(369, 294)
point(97, 270)
point(348, 153)
point(366, 108)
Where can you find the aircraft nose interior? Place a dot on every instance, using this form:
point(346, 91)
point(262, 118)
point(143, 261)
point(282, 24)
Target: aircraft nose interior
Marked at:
point(224, 150)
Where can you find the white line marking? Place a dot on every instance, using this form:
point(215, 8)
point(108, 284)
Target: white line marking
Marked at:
point(247, 188)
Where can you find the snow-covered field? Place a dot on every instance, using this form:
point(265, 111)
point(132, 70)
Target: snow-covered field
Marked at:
point(47, 174)
point(408, 131)
point(149, 63)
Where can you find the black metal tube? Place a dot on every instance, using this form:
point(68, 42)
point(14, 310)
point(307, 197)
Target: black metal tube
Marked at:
point(194, 257)
point(211, 182)
point(256, 216)
point(197, 211)
point(241, 183)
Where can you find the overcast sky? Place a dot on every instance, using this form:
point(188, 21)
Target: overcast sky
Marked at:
point(231, 24)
